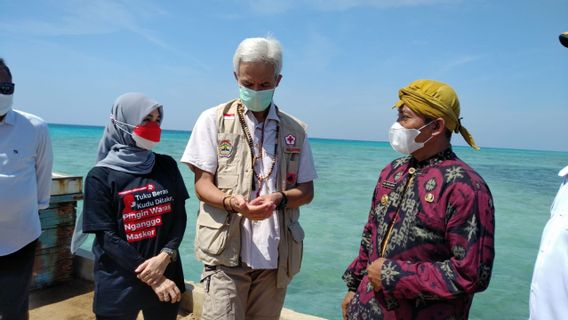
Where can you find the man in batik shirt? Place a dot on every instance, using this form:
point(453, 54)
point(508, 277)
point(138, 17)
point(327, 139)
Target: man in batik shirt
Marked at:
point(428, 244)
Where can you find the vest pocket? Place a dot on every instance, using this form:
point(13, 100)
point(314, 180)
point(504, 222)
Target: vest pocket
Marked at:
point(226, 181)
point(295, 248)
point(212, 229)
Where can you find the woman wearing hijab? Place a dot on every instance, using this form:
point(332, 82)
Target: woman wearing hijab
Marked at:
point(135, 205)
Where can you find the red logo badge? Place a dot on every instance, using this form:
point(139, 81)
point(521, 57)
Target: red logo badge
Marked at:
point(290, 140)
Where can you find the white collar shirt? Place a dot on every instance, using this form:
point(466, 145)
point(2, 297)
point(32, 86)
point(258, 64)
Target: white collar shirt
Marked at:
point(548, 286)
point(560, 204)
point(259, 239)
point(26, 161)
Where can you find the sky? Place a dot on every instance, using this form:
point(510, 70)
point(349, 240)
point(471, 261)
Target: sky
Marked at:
point(344, 61)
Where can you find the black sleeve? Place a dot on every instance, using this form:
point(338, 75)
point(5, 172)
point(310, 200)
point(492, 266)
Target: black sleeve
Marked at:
point(119, 250)
point(98, 203)
point(181, 195)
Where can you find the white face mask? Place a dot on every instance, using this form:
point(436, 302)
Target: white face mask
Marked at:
point(6, 101)
point(403, 140)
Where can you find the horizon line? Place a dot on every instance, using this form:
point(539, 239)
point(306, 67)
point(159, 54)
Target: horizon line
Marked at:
point(465, 146)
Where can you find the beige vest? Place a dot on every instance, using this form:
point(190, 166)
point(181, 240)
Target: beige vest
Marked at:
point(218, 233)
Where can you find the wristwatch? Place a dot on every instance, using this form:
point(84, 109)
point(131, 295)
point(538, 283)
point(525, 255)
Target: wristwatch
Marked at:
point(284, 202)
point(171, 253)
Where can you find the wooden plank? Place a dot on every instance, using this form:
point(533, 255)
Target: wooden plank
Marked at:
point(54, 261)
point(64, 214)
point(56, 237)
point(61, 184)
point(52, 265)
point(65, 198)
point(49, 270)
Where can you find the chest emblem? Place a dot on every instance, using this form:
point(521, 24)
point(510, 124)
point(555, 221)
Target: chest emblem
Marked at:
point(290, 140)
point(225, 149)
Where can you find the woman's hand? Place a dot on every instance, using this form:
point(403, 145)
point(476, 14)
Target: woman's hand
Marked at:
point(166, 290)
point(151, 270)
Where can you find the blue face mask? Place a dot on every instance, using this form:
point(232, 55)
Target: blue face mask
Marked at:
point(256, 101)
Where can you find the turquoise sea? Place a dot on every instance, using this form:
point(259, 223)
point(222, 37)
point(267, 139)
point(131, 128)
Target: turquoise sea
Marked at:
point(523, 183)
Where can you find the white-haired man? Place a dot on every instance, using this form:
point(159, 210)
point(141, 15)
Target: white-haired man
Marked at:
point(253, 170)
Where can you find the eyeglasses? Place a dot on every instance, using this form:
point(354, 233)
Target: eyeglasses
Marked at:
point(6, 88)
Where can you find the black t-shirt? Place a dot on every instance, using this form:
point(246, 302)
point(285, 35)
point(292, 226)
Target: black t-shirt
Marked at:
point(134, 216)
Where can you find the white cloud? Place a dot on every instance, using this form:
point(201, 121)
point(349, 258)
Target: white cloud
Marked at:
point(84, 18)
point(75, 17)
point(458, 62)
point(318, 52)
point(273, 7)
point(378, 4)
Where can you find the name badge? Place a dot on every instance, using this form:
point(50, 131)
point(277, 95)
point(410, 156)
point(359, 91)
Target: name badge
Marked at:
point(389, 185)
point(292, 150)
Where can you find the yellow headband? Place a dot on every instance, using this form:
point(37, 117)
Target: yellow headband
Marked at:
point(434, 99)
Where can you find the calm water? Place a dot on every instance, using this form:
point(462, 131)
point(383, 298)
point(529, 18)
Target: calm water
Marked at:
point(523, 184)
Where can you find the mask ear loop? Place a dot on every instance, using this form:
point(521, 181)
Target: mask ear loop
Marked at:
point(119, 124)
point(424, 126)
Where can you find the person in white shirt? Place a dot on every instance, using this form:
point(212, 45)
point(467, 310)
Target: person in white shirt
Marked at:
point(253, 169)
point(549, 286)
point(26, 161)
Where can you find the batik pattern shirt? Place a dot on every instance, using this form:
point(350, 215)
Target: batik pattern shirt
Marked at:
point(433, 222)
